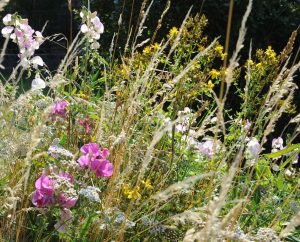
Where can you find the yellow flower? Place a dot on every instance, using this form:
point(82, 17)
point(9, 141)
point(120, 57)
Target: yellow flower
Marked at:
point(270, 53)
point(156, 46)
point(147, 184)
point(259, 66)
point(131, 193)
point(219, 49)
point(210, 85)
point(214, 73)
point(147, 50)
point(249, 62)
point(173, 32)
point(223, 56)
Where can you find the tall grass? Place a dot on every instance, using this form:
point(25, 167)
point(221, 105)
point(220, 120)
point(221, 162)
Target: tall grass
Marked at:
point(186, 166)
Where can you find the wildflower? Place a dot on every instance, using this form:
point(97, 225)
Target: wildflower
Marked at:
point(102, 167)
point(207, 148)
point(7, 19)
point(90, 193)
point(65, 218)
point(91, 27)
point(27, 39)
point(173, 32)
point(253, 147)
point(270, 53)
point(38, 84)
point(210, 85)
point(277, 144)
point(86, 123)
point(131, 193)
point(43, 196)
point(219, 49)
point(95, 158)
point(147, 50)
point(60, 109)
point(214, 73)
point(147, 184)
point(45, 185)
point(250, 62)
point(66, 201)
point(156, 46)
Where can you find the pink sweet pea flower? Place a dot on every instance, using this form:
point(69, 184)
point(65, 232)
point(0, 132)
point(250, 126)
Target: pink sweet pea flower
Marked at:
point(102, 167)
point(91, 149)
point(59, 109)
point(65, 201)
point(86, 123)
point(45, 185)
point(84, 161)
point(40, 199)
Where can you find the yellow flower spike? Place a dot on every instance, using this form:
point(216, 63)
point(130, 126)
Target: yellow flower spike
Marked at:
point(214, 73)
point(147, 184)
point(210, 85)
point(173, 32)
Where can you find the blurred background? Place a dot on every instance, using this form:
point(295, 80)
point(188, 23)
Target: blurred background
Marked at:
point(271, 21)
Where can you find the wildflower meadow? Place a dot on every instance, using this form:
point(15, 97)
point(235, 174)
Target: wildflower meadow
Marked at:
point(144, 143)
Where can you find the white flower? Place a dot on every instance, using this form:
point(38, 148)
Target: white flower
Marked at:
point(208, 148)
point(37, 61)
point(254, 147)
point(84, 28)
point(81, 14)
point(37, 84)
point(95, 45)
point(7, 19)
point(6, 31)
point(39, 37)
point(277, 143)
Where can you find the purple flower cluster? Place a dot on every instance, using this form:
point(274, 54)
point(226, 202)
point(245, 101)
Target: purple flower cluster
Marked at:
point(95, 158)
point(27, 39)
point(46, 194)
point(59, 109)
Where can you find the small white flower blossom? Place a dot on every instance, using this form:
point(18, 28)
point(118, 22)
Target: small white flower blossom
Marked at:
point(7, 19)
point(38, 84)
point(37, 61)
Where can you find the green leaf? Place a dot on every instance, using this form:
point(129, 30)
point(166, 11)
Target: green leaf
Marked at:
point(285, 151)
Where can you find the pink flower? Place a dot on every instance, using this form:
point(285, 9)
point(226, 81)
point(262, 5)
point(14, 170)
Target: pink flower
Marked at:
point(45, 185)
point(208, 148)
point(96, 159)
point(40, 199)
point(102, 167)
point(65, 201)
point(84, 161)
point(60, 109)
point(65, 218)
point(91, 149)
point(86, 123)
point(67, 176)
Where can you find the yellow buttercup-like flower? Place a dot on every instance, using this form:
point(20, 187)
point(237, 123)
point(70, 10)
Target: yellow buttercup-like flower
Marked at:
point(173, 32)
point(214, 73)
point(147, 184)
point(210, 85)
